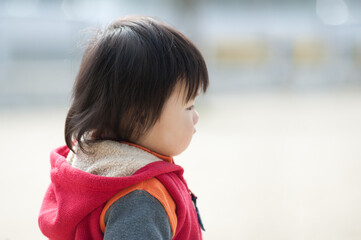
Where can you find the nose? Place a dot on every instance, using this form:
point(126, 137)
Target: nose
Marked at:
point(195, 117)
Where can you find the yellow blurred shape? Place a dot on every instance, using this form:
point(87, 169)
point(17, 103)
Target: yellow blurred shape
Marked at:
point(242, 51)
point(308, 51)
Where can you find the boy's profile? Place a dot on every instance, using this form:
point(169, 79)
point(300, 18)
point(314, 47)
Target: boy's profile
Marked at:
point(132, 111)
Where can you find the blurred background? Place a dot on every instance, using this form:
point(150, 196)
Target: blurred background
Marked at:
point(277, 152)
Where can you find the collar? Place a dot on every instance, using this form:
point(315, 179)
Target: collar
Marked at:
point(163, 157)
point(113, 158)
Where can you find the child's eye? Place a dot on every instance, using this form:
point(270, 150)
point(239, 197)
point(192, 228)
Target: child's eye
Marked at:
point(190, 108)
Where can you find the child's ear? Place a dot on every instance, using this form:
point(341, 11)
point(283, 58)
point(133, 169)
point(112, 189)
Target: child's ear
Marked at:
point(140, 124)
point(142, 118)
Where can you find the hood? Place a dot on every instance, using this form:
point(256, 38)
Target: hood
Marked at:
point(81, 184)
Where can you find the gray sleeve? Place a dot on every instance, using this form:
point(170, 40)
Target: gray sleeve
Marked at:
point(137, 215)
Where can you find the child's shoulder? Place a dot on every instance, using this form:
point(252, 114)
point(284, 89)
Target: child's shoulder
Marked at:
point(147, 200)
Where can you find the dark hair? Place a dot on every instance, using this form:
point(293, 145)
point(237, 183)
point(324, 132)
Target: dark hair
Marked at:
point(127, 73)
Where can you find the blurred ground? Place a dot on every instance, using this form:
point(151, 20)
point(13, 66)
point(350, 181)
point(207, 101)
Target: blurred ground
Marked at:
point(266, 165)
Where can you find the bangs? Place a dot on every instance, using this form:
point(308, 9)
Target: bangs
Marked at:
point(194, 84)
point(187, 66)
point(194, 78)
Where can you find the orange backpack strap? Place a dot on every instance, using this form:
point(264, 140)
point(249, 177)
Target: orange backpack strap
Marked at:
point(155, 188)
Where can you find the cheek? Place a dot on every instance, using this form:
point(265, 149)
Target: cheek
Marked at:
point(189, 127)
point(183, 131)
point(188, 121)
point(175, 132)
point(183, 126)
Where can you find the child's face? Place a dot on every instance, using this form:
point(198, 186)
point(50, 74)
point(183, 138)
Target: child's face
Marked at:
point(173, 132)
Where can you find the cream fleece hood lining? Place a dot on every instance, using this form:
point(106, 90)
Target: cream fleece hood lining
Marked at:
point(110, 159)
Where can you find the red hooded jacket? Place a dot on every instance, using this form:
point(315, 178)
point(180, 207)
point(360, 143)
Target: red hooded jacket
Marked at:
point(74, 200)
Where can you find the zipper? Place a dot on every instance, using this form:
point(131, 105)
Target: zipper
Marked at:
point(194, 199)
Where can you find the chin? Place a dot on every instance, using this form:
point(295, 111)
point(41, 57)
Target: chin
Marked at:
point(180, 150)
point(175, 148)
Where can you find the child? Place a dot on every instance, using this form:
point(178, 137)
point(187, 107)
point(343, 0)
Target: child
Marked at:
point(132, 111)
